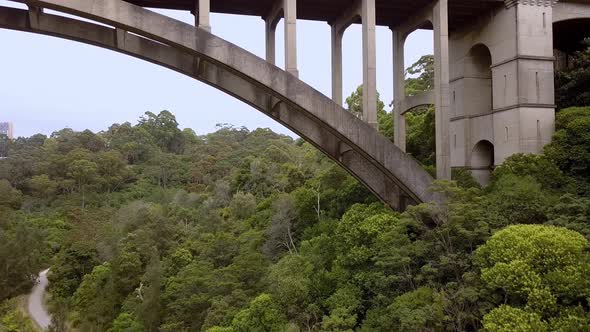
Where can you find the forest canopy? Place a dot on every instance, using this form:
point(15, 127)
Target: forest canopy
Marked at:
point(147, 227)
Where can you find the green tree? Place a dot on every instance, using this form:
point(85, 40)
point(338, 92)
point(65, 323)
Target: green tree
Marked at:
point(9, 196)
point(242, 206)
point(421, 139)
point(419, 310)
point(112, 170)
point(421, 76)
point(150, 310)
point(571, 85)
point(384, 119)
point(509, 319)
point(164, 129)
point(16, 321)
point(541, 273)
point(126, 323)
point(95, 299)
point(517, 200)
point(21, 251)
point(43, 187)
point(539, 167)
point(420, 122)
point(570, 147)
point(262, 315)
point(84, 173)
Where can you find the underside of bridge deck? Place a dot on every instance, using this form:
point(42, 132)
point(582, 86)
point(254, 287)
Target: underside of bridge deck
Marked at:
point(389, 12)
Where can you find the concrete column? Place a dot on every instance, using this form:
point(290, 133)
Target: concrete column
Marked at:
point(441, 89)
point(290, 16)
point(369, 63)
point(270, 40)
point(399, 90)
point(34, 14)
point(337, 65)
point(202, 9)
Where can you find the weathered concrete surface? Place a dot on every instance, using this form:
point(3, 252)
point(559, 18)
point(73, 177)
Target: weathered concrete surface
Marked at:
point(389, 12)
point(369, 62)
point(502, 74)
point(570, 10)
point(392, 175)
point(399, 89)
point(336, 43)
point(440, 21)
point(202, 10)
point(434, 15)
point(286, 9)
point(363, 10)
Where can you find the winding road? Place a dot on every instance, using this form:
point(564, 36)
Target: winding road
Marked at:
point(35, 306)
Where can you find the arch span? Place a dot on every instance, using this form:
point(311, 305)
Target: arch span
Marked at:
point(569, 36)
point(393, 176)
point(563, 11)
point(423, 99)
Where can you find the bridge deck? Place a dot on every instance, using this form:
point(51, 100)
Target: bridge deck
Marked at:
point(389, 12)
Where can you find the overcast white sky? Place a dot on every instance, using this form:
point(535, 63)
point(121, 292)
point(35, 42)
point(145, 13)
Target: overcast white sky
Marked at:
point(47, 83)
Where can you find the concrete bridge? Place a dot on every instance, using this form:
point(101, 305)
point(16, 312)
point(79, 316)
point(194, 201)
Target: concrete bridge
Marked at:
point(494, 63)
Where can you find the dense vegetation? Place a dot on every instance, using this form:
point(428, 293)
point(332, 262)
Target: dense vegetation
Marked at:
point(150, 228)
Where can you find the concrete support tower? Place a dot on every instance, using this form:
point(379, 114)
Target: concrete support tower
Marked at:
point(502, 86)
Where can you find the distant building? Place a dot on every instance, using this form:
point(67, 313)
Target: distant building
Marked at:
point(6, 128)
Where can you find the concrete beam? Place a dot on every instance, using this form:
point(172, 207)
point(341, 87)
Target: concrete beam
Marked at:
point(441, 89)
point(369, 63)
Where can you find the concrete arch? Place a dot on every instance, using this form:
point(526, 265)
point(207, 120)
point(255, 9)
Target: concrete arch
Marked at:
point(393, 176)
point(421, 19)
point(567, 40)
point(423, 99)
point(482, 161)
point(563, 11)
point(482, 55)
point(480, 44)
point(478, 87)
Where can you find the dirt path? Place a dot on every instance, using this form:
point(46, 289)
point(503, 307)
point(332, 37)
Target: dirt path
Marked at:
point(35, 306)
